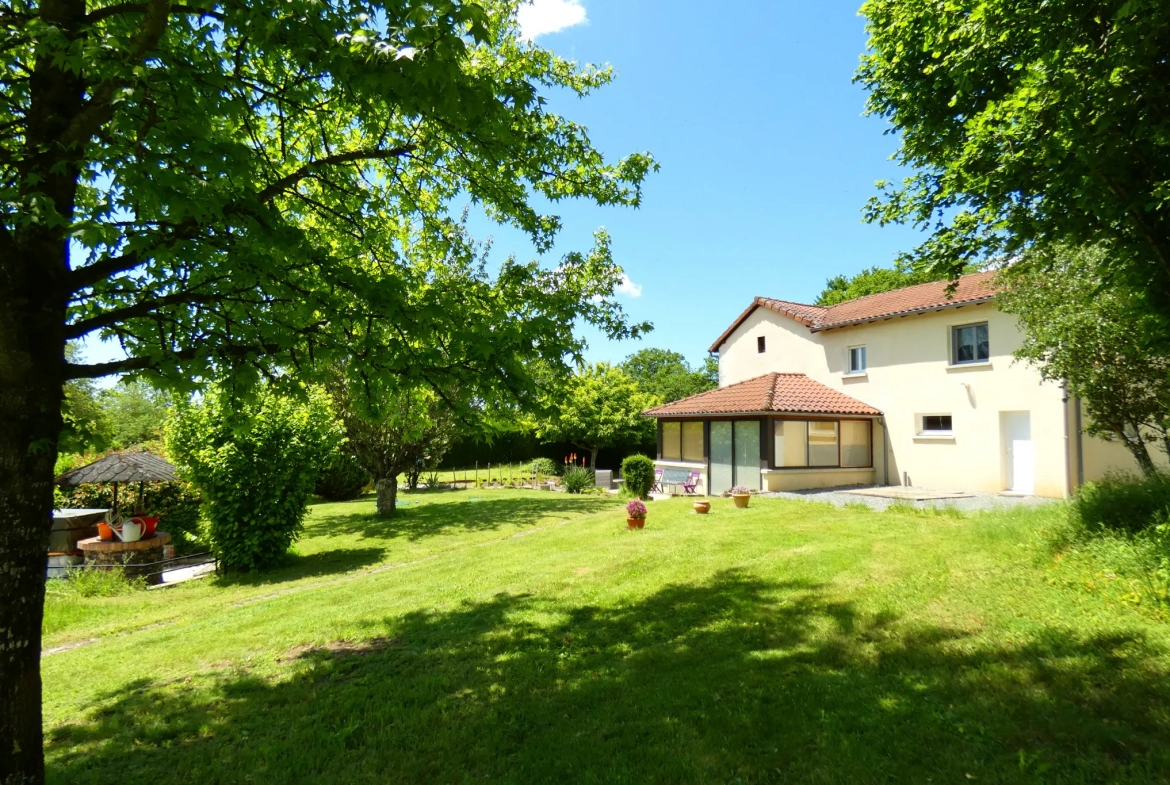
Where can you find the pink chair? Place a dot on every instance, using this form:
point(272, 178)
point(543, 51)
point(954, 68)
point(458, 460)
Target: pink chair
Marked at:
point(657, 486)
point(689, 487)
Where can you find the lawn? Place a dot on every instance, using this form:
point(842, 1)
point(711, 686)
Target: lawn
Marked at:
point(515, 636)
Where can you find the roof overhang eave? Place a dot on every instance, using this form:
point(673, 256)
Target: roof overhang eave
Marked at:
point(762, 413)
point(897, 314)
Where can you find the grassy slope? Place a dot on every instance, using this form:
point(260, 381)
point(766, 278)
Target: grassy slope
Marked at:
point(527, 637)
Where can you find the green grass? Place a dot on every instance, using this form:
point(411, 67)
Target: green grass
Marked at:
point(527, 637)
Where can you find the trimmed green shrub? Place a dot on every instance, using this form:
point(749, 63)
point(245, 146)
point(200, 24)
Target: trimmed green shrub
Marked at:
point(1123, 503)
point(255, 463)
point(638, 472)
point(342, 477)
point(546, 467)
point(577, 479)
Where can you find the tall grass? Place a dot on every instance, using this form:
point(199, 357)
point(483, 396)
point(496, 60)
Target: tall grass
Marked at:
point(1118, 531)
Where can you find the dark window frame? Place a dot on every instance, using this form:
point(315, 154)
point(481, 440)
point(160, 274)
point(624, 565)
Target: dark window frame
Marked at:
point(761, 344)
point(772, 442)
point(683, 421)
point(956, 346)
point(940, 420)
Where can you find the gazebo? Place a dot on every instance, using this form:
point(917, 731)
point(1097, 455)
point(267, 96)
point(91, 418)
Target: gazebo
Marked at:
point(136, 557)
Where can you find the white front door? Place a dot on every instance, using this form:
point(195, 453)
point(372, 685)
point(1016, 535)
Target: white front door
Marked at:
point(1020, 461)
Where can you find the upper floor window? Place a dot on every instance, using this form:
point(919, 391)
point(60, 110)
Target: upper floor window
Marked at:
point(969, 344)
point(760, 344)
point(857, 359)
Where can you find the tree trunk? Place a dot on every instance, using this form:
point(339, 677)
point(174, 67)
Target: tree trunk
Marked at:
point(387, 490)
point(1141, 453)
point(593, 458)
point(31, 368)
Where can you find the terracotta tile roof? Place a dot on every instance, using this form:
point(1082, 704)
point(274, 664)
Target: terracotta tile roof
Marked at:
point(975, 288)
point(772, 392)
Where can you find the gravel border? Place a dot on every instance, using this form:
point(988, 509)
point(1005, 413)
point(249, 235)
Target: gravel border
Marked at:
point(973, 503)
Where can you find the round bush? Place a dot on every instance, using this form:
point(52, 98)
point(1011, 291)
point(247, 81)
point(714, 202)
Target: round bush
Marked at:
point(546, 467)
point(342, 478)
point(254, 464)
point(638, 471)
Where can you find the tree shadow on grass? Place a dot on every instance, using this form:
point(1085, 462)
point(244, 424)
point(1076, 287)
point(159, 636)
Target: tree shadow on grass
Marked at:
point(295, 566)
point(736, 680)
point(421, 520)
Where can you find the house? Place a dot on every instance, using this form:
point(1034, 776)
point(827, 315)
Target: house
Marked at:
point(915, 386)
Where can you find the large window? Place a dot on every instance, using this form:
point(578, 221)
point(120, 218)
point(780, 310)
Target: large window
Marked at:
point(682, 441)
point(970, 344)
point(822, 443)
point(855, 443)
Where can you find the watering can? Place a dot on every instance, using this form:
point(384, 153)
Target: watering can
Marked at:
point(130, 531)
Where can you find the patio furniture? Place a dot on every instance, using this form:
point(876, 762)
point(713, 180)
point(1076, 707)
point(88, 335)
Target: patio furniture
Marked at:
point(673, 476)
point(657, 486)
point(689, 487)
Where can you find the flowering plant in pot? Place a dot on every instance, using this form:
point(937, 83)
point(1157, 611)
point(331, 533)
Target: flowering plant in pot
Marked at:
point(741, 494)
point(635, 514)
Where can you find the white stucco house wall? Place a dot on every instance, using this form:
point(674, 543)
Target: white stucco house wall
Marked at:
point(916, 386)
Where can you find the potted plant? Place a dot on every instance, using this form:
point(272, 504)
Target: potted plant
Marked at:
point(703, 506)
point(635, 514)
point(741, 495)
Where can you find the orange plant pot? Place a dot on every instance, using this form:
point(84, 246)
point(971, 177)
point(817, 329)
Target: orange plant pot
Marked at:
point(635, 523)
point(105, 532)
point(741, 500)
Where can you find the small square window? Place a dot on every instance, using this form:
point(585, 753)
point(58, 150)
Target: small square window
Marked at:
point(760, 344)
point(936, 423)
point(969, 344)
point(857, 359)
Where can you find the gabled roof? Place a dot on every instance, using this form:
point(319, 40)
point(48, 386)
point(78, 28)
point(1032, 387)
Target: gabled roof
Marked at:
point(773, 392)
point(969, 290)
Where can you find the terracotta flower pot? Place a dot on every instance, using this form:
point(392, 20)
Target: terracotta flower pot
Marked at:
point(703, 507)
point(741, 499)
point(635, 523)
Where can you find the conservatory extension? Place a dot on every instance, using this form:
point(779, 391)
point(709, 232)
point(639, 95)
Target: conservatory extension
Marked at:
point(779, 431)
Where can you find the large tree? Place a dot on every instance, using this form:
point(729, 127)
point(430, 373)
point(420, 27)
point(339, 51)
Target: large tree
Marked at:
point(227, 188)
point(600, 407)
point(1099, 340)
point(395, 432)
point(1028, 123)
point(875, 280)
point(667, 375)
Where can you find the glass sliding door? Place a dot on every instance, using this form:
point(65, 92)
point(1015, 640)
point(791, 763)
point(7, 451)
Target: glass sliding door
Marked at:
point(722, 466)
point(747, 453)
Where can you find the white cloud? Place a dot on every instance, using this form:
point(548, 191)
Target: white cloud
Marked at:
point(539, 17)
point(629, 288)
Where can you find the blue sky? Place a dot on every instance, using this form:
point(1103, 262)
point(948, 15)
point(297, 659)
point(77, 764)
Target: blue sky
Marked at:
point(766, 158)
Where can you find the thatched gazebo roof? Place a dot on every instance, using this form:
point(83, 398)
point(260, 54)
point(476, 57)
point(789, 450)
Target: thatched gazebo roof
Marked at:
point(121, 467)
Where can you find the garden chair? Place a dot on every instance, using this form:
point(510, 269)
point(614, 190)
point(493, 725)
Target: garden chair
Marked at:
point(689, 487)
point(657, 486)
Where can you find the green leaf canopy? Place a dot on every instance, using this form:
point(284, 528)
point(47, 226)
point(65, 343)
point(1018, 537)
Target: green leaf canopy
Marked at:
point(247, 184)
point(1028, 123)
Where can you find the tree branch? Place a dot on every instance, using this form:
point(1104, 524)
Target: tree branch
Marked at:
point(100, 107)
point(289, 180)
point(138, 8)
point(144, 308)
